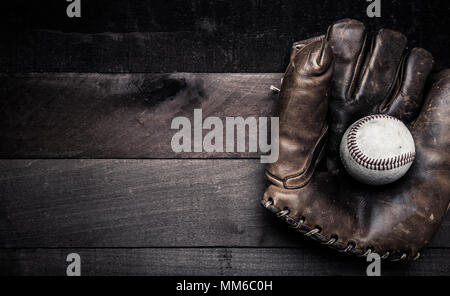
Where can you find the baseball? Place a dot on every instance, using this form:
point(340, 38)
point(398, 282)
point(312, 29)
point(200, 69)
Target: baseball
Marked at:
point(377, 149)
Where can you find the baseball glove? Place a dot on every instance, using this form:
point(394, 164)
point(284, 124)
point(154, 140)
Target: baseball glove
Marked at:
point(330, 82)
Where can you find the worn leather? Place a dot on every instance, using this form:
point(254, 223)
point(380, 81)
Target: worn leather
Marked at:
point(371, 75)
point(304, 91)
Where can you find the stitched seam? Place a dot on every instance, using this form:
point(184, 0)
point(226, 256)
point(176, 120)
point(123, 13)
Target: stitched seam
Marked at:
point(350, 247)
point(372, 163)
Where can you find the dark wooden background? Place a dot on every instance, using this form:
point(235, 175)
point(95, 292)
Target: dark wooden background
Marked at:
point(85, 112)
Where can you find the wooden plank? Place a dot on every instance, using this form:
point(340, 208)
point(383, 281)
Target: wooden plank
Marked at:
point(141, 203)
point(193, 36)
point(119, 116)
point(211, 262)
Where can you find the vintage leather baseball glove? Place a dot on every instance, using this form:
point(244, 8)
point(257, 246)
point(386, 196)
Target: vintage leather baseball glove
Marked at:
point(331, 82)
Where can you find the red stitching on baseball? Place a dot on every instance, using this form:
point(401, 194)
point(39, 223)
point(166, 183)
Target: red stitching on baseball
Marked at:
point(371, 163)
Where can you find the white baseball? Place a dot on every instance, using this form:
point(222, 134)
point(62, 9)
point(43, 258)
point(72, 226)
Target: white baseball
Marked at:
point(377, 149)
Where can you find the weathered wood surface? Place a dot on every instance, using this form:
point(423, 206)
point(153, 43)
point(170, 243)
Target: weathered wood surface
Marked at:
point(211, 261)
point(161, 217)
point(194, 36)
point(141, 203)
point(119, 115)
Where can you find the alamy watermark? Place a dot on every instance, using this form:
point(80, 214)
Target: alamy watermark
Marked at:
point(74, 267)
point(189, 137)
point(374, 268)
point(74, 8)
point(374, 8)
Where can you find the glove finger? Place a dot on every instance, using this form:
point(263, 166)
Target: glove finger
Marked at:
point(297, 46)
point(302, 108)
point(380, 71)
point(304, 89)
point(406, 103)
point(347, 39)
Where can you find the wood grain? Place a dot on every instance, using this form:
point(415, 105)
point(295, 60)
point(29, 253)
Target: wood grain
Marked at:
point(119, 116)
point(141, 203)
point(210, 262)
